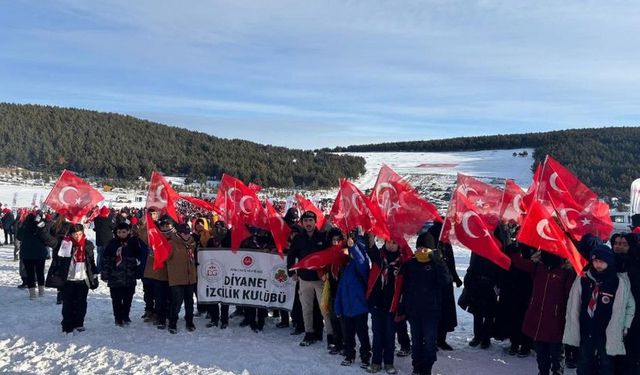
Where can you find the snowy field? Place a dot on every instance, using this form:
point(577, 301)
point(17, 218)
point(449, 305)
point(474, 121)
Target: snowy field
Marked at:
point(31, 341)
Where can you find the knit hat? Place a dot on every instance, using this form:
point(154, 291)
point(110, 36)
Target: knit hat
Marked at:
point(587, 243)
point(635, 220)
point(427, 240)
point(308, 215)
point(603, 253)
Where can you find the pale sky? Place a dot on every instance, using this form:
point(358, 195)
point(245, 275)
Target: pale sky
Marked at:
point(306, 74)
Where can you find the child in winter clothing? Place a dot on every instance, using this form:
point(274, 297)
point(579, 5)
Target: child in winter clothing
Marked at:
point(120, 269)
point(424, 278)
point(79, 266)
point(351, 303)
point(544, 320)
point(599, 313)
point(382, 295)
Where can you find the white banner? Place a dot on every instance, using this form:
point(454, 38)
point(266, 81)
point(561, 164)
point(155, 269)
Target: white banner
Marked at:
point(246, 277)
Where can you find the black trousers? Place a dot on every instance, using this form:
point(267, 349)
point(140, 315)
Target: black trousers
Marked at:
point(255, 317)
point(219, 312)
point(161, 298)
point(296, 312)
point(8, 237)
point(549, 357)
point(180, 294)
point(353, 326)
point(147, 294)
point(35, 271)
point(482, 327)
point(74, 304)
point(121, 298)
point(402, 333)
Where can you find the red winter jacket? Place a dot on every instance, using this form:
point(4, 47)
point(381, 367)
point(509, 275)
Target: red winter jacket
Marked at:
point(545, 317)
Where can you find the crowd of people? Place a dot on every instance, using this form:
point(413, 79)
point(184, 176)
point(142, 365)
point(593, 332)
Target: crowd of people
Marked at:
point(540, 304)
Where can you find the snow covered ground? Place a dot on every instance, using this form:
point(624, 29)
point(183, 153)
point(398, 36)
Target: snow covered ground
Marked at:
point(31, 342)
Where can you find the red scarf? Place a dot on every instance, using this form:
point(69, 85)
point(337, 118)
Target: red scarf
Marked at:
point(79, 256)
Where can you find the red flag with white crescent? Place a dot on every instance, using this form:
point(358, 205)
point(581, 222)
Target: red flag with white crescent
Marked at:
point(72, 197)
point(279, 229)
point(470, 230)
point(540, 230)
point(332, 256)
point(352, 209)
point(162, 196)
point(403, 209)
point(511, 208)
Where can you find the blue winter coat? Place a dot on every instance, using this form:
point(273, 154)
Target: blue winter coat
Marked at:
point(351, 298)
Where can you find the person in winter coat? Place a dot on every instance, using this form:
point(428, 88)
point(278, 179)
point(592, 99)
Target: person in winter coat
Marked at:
point(383, 292)
point(448, 317)
point(103, 226)
point(182, 276)
point(158, 278)
point(310, 285)
point(35, 238)
point(424, 278)
point(78, 264)
point(544, 320)
point(350, 304)
point(479, 297)
point(120, 271)
point(515, 294)
point(599, 314)
point(627, 255)
point(7, 225)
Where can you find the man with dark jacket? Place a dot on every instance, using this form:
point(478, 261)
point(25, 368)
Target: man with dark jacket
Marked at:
point(103, 226)
point(311, 241)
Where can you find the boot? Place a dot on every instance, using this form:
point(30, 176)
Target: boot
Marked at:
point(40, 290)
point(32, 293)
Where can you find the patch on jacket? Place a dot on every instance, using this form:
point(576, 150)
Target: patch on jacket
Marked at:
point(606, 298)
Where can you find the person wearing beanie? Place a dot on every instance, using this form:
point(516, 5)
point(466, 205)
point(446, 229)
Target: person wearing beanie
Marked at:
point(120, 270)
point(599, 314)
point(425, 277)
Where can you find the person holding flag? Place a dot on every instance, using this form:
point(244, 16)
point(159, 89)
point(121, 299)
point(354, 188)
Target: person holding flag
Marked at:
point(310, 285)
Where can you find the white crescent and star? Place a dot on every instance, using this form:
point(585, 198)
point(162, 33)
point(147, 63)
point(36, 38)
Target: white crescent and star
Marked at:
point(516, 204)
point(243, 200)
point(63, 191)
point(159, 195)
point(554, 183)
point(563, 214)
point(354, 199)
point(541, 228)
point(465, 223)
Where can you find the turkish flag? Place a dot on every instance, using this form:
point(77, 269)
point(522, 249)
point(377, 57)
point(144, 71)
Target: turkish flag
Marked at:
point(579, 209)
point(539, 230)
point(470, 230)
point(485, 199)
point(158, 243)
point(333, 256)
point(511, 208)
point(558, 183)
point(162, 196)
point(279, 229)
point(72, 197)
point(403, 209)
point(240, 206)
point(577, 220)
point(352, 209)
point(199, 202)
point(307, 205)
